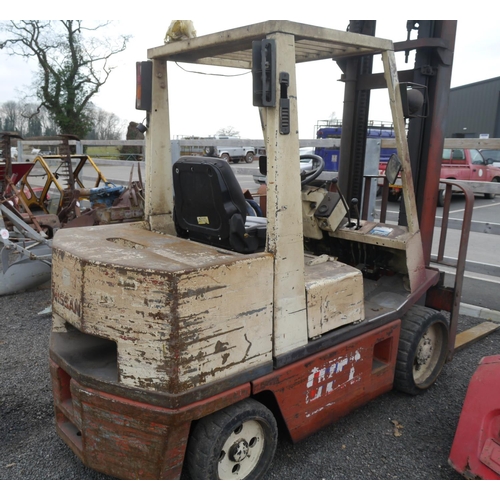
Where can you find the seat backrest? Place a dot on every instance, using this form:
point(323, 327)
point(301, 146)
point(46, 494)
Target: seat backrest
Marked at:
point(209, 204)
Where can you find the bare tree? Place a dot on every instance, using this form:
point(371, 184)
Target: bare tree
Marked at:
point(332, 119)
point(32, 119)
point(74, 64)
point(105, 125)
point(230, 131)
point(49, 126)
point(12, 118)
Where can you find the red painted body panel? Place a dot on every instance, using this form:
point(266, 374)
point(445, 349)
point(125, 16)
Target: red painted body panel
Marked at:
point(475, 452)
point(320, 389)
point(133, 440)
point(125, 438)
point(19, 169)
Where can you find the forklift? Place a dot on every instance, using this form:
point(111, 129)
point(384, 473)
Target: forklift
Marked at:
point(185, 341)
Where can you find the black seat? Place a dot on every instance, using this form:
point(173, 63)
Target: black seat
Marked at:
point(210, 207)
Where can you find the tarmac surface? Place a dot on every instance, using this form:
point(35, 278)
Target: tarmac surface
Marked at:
point(394, 437)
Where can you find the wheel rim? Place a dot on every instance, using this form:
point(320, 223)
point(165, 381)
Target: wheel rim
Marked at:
point(241, 451)
point(428, 356)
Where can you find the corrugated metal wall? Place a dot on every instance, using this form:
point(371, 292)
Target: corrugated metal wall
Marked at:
point(474, 109)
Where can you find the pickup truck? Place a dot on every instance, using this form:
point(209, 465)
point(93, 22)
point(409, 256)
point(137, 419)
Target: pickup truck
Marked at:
point(231, 153)
point(491, 156)
point(460, 164)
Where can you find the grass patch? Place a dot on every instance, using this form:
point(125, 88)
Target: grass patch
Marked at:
point(108, 152)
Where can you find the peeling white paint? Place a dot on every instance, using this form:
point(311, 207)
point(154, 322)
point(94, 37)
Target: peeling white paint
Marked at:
point(318, 375)
point(170, 321)
point(335, 296)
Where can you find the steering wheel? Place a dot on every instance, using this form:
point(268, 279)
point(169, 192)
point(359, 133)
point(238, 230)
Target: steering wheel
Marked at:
point(307, 176)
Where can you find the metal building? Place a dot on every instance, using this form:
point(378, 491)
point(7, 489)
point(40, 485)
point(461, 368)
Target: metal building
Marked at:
point(474, 110)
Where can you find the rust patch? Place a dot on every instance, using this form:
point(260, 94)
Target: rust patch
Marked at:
point(160, 316)
point(220, 346)
point(126, 243)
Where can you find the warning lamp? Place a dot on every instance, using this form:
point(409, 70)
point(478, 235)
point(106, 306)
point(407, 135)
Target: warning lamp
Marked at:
point(413, 98)
point(143, 88)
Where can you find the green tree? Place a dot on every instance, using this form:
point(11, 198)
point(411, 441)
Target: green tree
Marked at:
point(74, 63)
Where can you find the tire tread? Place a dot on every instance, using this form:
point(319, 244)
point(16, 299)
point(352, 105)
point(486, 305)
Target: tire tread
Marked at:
point(414, 323)
point(203, 441)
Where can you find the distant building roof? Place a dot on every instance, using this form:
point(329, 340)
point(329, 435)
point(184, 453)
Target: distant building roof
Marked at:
point(489, 80)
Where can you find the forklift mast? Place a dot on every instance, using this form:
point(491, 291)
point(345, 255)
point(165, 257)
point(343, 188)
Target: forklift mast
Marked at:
point(434, 48)
point(431, 74)
point(433, 64)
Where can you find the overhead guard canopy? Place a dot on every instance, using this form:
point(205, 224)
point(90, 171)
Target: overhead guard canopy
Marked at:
point(233, 48)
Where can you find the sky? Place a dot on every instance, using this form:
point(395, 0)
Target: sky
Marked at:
point(203, 104)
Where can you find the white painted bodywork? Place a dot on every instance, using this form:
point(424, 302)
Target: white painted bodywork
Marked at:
point(182, 314)
point(284, 213)
point(334, 294)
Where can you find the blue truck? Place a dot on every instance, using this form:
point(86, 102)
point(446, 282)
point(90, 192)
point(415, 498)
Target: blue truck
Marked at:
point(331, 156)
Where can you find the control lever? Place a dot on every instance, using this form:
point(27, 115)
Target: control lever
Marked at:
point(334, 186)
point(354, 204)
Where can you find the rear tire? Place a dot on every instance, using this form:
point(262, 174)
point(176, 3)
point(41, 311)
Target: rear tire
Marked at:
point(440, 200)
point(237, 442)
point(423, 348)
point(225, 157)
point(491, 196)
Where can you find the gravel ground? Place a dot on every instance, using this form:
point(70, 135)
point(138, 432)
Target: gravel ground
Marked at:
point(363, 445)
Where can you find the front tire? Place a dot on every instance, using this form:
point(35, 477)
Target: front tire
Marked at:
point(394, 197)
point(237, 442)
point(423, 347)
point(249, 157)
